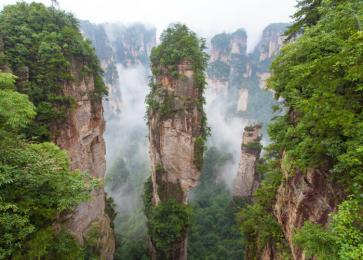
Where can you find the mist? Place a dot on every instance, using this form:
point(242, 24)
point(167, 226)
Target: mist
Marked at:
point(226, 132)
point(126, 136)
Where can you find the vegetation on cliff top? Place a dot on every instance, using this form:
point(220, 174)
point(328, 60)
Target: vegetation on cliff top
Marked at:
point(45, 49)
point(178, 45)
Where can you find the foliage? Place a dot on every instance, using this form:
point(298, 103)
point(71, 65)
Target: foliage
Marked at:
point(214, 233)
point(167, 224)
point(148, 197)
point(198, 152)
point(178, 45)
point(342, 239)
point(221, 42)
point(92, 240)
point(254, 146)
point(319, 76)
point(117, 175)
point(133, 250)
point(42, 46)
point(45, 244)
point(328, 117)
point(257, 222)
point(36, 184)
point(16, 111)
point(308, 14)
point(219, 70)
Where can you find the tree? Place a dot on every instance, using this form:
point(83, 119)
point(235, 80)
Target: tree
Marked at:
point(36, 184)
point(308, 14)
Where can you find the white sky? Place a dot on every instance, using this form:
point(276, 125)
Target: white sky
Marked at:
point(206, 17)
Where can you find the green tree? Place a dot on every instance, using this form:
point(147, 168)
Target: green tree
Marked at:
point(308, 14)
point(36, 183)
point(319, 76)
point(44, 48)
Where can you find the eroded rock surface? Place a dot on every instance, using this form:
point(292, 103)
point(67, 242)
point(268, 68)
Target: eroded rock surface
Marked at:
point(305, 196)
point(82, 137)
point(173, 133)
point(247, 179)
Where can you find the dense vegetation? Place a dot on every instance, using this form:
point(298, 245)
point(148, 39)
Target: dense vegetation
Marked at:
point(44, 47)
point(36, 185)
point(214, 234)
point(320, 77)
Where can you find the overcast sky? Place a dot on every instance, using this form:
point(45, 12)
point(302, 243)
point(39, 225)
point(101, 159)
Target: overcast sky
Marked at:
point(206, 17)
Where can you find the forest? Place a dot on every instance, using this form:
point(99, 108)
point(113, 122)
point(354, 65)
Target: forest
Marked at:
point(117, 144)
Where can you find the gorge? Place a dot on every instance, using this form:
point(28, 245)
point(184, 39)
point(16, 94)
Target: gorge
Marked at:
point(115, 144)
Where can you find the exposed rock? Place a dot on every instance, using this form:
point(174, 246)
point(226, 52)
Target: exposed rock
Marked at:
point(263, 77)
point(239, 79)
point(271, 41)
point(243, 100)
point(268, 253)
point(304, 196)
point(247, 179)
point(173, 142)
point(82, 137)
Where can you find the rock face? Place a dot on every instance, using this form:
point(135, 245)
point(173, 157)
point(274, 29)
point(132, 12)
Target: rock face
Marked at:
point(305, 196)
point(247, 179)
point(173, 142)
point(271, 41)
point(227, 52)
point(239, 79)
point(82, 137)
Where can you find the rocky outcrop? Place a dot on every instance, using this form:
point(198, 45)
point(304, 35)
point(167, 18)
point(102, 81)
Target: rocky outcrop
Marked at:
point(81, 135)
point(271, 41)
point(173, 136)
point(227, 50)
point(247, 179)
point(304, 196)
point(239, 79)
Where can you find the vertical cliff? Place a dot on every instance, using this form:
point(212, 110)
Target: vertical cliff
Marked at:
point(239, 78)
point(247, 179)
point(61, 74)
point(228, 58)
point(176, 133)
point(81, 135)
point(316, 146)
point(305, 196)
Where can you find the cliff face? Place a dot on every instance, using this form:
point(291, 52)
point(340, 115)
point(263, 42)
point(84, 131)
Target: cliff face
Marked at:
point(227, 53)
point(173, 143)
point(305, 196)
point(238, 78)
point(172, 140)
point(271, 41)
point(82, 136)
point(247, 179)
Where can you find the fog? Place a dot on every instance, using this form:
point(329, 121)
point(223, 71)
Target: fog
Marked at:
point(226, 132)
point(126, 136)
